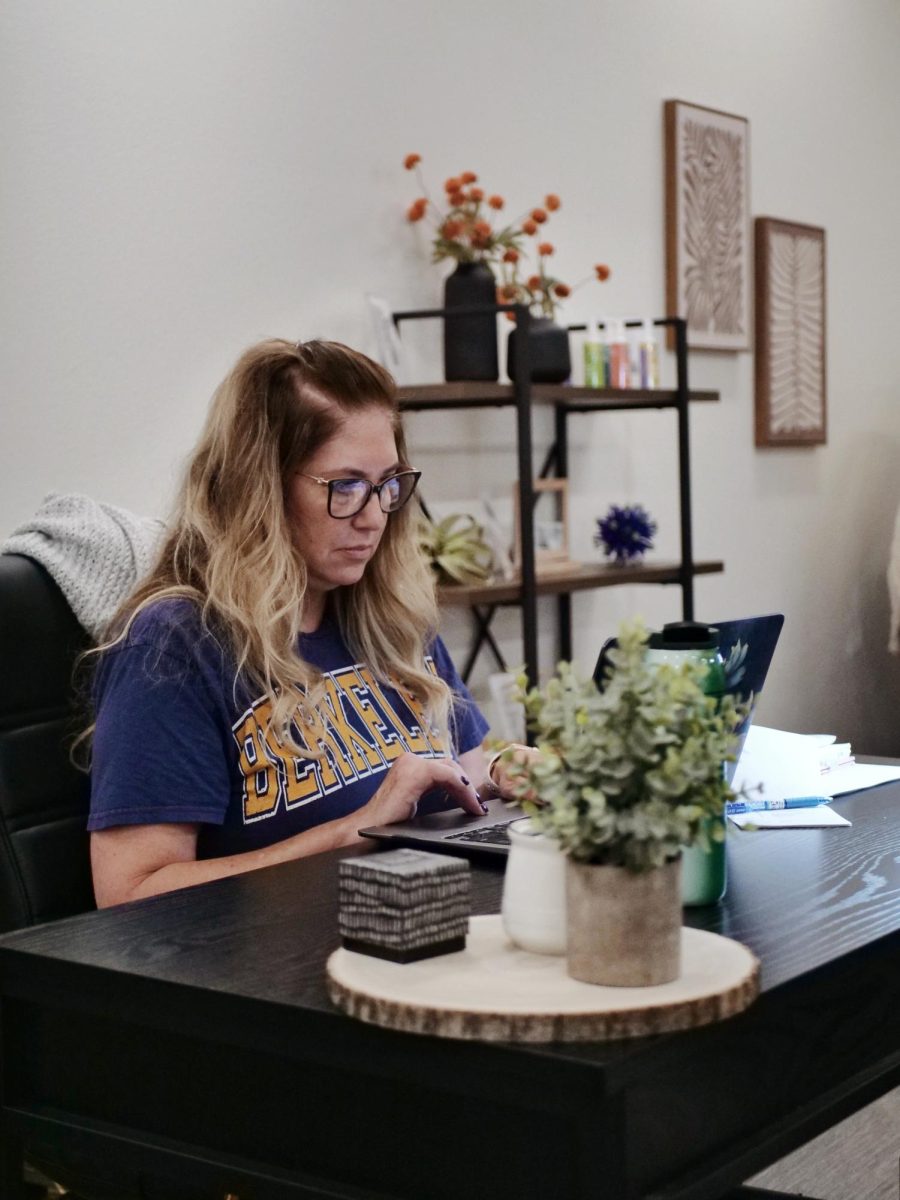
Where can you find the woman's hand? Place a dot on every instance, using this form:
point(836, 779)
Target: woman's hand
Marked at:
point(499, 778)
point(407, 780)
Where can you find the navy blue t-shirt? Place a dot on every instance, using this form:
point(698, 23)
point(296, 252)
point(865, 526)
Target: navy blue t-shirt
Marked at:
point(178, 739)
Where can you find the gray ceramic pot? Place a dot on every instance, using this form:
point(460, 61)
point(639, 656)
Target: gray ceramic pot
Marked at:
point(624, 929)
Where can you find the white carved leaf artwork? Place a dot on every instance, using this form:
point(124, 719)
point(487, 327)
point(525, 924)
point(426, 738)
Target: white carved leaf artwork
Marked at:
point(795, 333)
point(712, 194)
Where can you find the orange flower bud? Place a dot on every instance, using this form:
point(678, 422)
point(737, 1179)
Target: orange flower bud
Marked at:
point(508, 291)
point(511, 256)
point(451, 229)
point(534, 283)
point(552, 201)
point(495, 201)
point(481, 229)
point(452, 184)
point(457, 198)
point(603, 272)
point(416, 210)
point(411, 160)
point(468, 177)
point(529, 227)
point(476, 194)
point(545, 248)
point(562, 290)
point(510, 316)
point(538, 214)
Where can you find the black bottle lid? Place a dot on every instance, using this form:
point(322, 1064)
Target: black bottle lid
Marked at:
point(685, 635)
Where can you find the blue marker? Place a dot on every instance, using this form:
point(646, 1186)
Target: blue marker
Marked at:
point(747, 806)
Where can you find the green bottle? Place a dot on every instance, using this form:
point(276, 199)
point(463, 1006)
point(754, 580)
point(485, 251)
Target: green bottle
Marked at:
point(703, 872)
point(594, 358)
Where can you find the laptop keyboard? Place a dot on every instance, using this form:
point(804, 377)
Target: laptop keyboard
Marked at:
point(491, 835)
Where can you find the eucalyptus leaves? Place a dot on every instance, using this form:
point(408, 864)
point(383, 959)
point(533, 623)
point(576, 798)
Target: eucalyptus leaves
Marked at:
point(630, 775)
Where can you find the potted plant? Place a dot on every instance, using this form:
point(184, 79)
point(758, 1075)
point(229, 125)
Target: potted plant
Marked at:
point(456, 550)
point(626, 779)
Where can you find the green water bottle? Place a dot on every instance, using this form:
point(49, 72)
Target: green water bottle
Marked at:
point(703, 872)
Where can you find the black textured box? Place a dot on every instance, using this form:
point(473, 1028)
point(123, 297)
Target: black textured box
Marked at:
point(404, 905)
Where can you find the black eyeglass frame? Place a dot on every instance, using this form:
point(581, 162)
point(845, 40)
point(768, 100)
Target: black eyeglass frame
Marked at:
point(372, 487)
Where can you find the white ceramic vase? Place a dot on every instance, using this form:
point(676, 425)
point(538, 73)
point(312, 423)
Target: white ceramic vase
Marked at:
point(534, 891)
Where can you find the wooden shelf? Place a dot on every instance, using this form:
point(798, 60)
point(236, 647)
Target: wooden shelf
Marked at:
point(431, 396)
point(588, 575)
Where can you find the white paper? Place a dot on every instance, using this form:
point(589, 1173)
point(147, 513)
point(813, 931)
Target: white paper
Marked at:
point(854, 777)
point(820, 817)
point(775, 765)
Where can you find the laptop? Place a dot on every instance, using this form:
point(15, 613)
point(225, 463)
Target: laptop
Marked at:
point(746, 646)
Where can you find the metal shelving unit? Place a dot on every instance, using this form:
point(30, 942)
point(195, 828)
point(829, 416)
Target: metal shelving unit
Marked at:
point(566, 401)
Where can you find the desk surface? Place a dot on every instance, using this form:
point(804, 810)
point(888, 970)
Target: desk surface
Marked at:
point(195, 1030)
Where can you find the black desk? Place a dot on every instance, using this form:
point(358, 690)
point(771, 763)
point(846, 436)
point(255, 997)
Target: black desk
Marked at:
point(192, 1033)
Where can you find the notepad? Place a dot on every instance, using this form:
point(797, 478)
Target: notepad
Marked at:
point(820, 817)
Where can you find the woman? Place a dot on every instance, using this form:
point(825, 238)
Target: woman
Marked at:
point(275, 684)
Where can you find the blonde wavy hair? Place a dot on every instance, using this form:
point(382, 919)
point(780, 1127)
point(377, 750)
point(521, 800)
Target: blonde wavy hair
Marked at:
point(230, 548)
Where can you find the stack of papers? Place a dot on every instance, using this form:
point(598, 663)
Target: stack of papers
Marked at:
point(776, 766)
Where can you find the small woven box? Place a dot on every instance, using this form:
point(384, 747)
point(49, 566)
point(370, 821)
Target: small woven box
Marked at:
point(404, 905)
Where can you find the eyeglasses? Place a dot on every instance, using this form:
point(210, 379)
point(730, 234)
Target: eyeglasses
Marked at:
point(347, 497)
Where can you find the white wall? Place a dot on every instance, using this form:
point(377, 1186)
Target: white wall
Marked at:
point(180, 179)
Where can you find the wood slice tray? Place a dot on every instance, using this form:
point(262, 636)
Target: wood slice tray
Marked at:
point(492, 991)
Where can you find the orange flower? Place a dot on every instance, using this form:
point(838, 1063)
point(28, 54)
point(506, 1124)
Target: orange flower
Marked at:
point(468, 177)
point(545, 248)
point(451, 229)
point(511, 256)
point(416, 210)
point(452, 184)
point(412, 160)
point(552, 201)
point(529, 227)
point(495, 201)
point(481, 229)
point(562, 290)
point(476, 194)
point(457, 198)
point(534, 283)
point(510, 316)
point(538, 214)
point(507, 292)
point(602, 272)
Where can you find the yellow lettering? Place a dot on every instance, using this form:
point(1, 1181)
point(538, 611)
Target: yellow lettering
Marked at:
point(261, 782)
point(363, 755)
point(388, 741)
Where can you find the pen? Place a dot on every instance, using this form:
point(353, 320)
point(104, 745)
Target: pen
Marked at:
point(746, 806)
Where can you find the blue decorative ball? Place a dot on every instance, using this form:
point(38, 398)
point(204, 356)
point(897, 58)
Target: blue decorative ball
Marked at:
point(625, 533)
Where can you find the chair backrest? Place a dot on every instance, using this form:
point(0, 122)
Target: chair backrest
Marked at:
point(44, 856)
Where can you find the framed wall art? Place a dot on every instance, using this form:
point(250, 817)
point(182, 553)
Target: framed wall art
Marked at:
point(790, 333)
point(708, 225)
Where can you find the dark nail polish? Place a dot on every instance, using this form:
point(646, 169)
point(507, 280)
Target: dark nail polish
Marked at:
point(484, 809)
point(465, 780)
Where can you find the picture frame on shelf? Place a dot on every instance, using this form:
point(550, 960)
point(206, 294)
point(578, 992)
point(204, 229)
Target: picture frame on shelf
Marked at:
point(790, 375)
point(391, 353)
point(708, 249)
point(551, 527)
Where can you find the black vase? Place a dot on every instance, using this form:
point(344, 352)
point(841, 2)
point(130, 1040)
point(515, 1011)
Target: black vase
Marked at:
point(470, 343)
point(548, 344)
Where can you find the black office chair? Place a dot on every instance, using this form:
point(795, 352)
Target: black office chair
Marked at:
point(44, 847)
point(44, 861)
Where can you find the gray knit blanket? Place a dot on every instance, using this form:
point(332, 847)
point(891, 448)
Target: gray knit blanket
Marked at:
point(95, 552)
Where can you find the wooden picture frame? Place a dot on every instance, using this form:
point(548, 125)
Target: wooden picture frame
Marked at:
point(708, 254)
point(551, 538)
point(790, 334)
